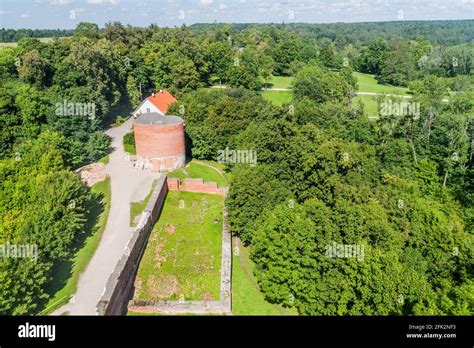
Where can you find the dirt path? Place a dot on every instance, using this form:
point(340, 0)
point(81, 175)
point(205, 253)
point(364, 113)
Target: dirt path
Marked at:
point(127, 185)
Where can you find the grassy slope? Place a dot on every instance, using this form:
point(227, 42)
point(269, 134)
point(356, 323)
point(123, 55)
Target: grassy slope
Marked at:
point(136, 208)
point(66, 274)
point(367, 83)
point(370, 104)
point(246, 296)
point(278, 97)
point(197, 170)
point(221, 168)
point(185, 262)
point(281, 81)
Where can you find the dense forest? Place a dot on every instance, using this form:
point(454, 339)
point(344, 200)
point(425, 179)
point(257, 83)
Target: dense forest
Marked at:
point(401, 185)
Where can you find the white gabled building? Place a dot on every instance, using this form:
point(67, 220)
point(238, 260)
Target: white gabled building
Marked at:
point(157, 102)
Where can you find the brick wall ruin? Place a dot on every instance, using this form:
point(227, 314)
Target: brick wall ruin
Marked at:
point(120, 285)
point(195, 185)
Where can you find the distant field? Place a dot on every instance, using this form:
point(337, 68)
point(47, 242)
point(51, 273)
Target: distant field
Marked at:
point(281, 81)
point(182, 259)
point(370, 104)
point(278, 97)
point(367, 83)
point(8, 44)
point(14, 44)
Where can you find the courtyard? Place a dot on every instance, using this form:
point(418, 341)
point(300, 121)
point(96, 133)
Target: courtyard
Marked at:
point(182, 259)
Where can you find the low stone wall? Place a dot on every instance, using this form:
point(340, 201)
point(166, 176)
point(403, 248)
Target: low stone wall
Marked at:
point(195, 185)
point(176, 307)
point(120, 285)
point(226, 268)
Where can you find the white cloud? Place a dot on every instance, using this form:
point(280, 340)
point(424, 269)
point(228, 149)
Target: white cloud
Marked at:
point(103, 2)
point(59, 2)
point(206, 2)
point(24, 15)
point(222, 7)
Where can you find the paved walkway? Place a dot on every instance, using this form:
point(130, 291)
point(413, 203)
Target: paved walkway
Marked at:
point(128, 185)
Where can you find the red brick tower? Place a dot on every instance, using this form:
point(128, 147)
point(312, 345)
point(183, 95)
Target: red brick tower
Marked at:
point(159, 140)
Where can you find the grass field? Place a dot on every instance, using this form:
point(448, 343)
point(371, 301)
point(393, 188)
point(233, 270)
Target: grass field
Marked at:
point(246, 296)
point(370, 104)
point(66, 274)
point(8, 44)
point(199, 169)
point(182, 259)
point(281, 81)
point(278, 97)
point(136, 208)
point(367, 83)
point(14, 44)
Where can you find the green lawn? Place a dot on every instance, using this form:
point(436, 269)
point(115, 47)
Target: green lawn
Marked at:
point(367, 83)
point(278, 97)
point(246, 296)
point(136, 208)
point(371, 102)
point(182, 259)
point(370, 105)
point(66, 274)
point(281, 81)
point(198, 169)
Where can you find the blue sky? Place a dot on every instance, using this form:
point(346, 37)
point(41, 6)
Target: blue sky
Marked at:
point(67, 13)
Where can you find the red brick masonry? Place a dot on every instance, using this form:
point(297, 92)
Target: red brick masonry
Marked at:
point(194, 185)
point(163, 145)
point(159, 141)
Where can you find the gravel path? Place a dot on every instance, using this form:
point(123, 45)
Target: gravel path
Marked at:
point(127, 185)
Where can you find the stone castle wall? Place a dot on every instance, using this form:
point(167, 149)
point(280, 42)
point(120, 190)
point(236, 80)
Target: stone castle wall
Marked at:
point(120, 285)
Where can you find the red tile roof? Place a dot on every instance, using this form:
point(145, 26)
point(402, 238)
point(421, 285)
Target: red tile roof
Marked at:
point(162, 100)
